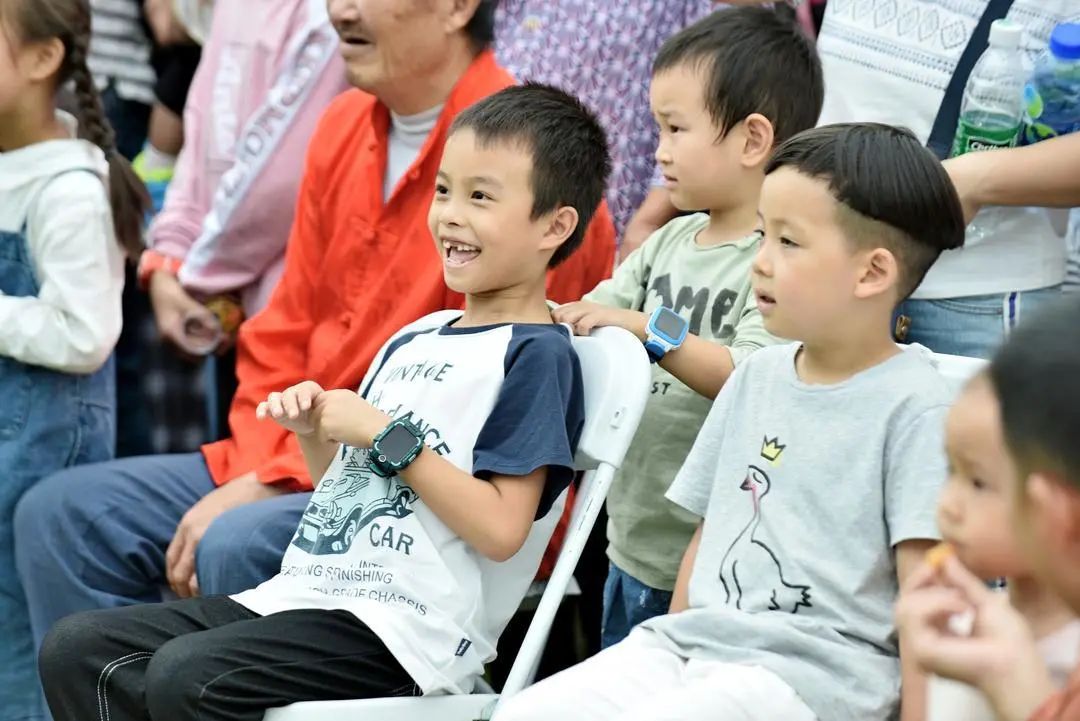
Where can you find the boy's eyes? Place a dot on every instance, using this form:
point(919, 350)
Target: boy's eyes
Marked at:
point(441, 189)
point(978, 484)
point(788, 242)
point(479, 195)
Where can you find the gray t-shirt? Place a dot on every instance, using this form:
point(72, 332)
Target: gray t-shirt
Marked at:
point(805, 491)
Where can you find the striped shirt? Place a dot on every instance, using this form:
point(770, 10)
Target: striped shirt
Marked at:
point(120, 50)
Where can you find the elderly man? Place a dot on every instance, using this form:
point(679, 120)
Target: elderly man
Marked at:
point(360, 265)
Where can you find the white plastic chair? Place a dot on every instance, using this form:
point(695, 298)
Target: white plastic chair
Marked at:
point(616, 376)
point(957, 369)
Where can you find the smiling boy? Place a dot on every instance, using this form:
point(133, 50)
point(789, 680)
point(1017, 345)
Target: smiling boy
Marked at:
point(456, 455)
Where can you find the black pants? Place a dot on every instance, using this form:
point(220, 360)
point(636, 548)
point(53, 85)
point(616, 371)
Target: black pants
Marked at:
point(210, 659)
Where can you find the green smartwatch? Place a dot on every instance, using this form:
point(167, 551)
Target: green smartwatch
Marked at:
point(395, 448)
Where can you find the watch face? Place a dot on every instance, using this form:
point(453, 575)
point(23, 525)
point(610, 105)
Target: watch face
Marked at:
point(398, 443)
point(669, 324)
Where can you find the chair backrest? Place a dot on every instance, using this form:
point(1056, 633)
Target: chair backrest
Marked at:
point(616, 375)
point(957, 369)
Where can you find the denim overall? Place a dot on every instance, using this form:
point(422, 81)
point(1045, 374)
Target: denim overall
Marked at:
point(48, 421)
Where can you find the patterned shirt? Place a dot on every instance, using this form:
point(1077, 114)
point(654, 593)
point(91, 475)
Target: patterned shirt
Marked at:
point(602, 52)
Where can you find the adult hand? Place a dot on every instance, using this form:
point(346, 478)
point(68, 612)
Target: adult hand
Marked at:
point(166, 27)
point(342, 416)
point(999, 656)
point(292, 408)
point(967, 173)
point(584, 316)
point(173, 307)
point(180, 556)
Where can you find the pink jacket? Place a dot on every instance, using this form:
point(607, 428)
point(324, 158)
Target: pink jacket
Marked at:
point(268, 70)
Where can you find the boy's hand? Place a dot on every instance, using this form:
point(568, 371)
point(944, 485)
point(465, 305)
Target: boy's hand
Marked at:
point(584, 316)
point(292, 408)
point(999, 656)
point(342, 416)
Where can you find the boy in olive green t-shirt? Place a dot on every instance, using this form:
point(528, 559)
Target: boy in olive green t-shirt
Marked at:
point(725, 91)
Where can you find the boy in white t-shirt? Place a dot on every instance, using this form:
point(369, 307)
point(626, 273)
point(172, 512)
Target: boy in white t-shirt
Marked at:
point(441, 480)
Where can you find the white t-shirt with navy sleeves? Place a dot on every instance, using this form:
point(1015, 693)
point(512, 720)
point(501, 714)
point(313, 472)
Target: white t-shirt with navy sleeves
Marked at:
point(493, 400)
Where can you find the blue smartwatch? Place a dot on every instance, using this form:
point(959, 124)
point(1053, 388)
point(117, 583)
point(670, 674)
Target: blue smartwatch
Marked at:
point(395, 448)
point(666, 331)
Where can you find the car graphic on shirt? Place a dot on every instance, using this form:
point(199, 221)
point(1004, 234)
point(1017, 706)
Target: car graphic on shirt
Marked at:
point(348, 501)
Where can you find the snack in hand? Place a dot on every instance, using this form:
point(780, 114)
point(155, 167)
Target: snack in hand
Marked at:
point(936, 556)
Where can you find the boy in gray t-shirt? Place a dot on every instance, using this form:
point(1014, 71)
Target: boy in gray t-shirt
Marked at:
point(816, 472)
point(715, 140)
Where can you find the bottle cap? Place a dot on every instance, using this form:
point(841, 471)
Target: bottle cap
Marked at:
point(1065, 41)
point(1005, 34)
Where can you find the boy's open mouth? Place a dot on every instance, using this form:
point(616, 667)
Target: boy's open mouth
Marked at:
point(764, 299)
point(458, 254)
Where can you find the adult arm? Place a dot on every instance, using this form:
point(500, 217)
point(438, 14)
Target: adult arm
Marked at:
point(1040, 175)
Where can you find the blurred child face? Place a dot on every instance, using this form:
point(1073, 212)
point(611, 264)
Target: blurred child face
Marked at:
point(15, 60)
point(805, 273)
point(699, 170)
point(481, 219)
point(973, 511)
point(387, 42)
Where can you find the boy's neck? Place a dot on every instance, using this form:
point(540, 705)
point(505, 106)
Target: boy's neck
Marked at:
point(511, 305)
point(1044, 611)
point(855, 349)
point(731, 223)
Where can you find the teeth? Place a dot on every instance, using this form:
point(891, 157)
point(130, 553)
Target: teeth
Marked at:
point(458, 246)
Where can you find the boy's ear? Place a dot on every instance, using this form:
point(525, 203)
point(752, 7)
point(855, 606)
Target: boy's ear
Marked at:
point(44, 59)
point(564, 220)
point(878, 274)
point(758, 139)
point(1055, 508)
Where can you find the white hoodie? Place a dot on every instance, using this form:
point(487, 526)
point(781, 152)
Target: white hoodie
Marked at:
point(74, 322)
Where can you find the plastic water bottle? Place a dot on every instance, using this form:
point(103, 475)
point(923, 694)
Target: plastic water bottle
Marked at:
point(993, 110)
point(1052, 95)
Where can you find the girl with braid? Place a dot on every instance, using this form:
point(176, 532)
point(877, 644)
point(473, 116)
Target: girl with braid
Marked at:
point(70, 209)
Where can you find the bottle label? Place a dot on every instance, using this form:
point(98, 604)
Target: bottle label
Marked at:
point(972, 138)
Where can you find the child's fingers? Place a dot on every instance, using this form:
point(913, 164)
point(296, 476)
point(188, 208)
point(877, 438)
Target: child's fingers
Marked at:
point(974, 590)
point(304, 398)
point(927, 574)
point(290, 404)
point(928, 610)
point(277, 411)
point(262, 411)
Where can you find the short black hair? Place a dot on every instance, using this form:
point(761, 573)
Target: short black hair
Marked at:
point(1036, 376)
point(571, 163)
point(755, 61)
point(481, 28)
point(893, 192)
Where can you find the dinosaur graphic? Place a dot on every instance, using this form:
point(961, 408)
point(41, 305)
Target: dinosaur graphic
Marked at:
point(342, 506)
point(749, 564)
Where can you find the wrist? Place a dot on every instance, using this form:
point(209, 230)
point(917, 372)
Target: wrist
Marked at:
point(152, 263)
point(1018, 692)
point(638, 324)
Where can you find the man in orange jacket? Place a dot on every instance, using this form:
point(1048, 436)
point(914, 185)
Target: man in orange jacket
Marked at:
point(360, 265)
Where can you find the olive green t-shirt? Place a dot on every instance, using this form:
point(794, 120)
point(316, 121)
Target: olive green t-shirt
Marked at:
point(710, 288)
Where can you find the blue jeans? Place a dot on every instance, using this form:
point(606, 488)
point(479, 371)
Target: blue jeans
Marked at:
point(95, 536)
point(628, 602)
point(974, 326)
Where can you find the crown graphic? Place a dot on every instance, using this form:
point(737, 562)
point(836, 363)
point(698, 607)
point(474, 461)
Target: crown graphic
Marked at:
point(771, 448)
